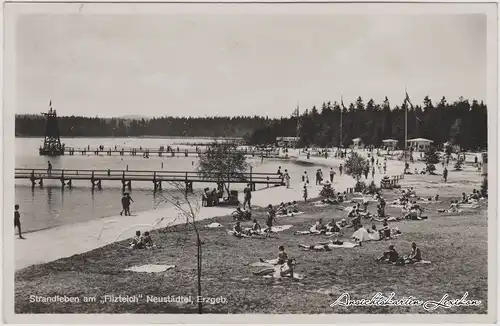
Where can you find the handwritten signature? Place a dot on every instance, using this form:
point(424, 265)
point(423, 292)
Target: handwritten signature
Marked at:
point(380, 300)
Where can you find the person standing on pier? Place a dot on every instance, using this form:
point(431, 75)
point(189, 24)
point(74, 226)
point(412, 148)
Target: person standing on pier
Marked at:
point(49, 168)
point(17, 221)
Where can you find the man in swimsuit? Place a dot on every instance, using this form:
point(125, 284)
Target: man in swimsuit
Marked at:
point(17, 221)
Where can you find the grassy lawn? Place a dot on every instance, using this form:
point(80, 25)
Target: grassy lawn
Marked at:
point(456, 245)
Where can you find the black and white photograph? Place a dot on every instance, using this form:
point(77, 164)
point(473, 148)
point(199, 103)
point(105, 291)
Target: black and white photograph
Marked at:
point(323, 160)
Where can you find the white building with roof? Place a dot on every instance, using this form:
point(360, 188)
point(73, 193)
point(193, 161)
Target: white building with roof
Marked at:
point(419, 144)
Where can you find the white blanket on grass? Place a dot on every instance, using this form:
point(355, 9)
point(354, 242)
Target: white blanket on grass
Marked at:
point(331, 246)
point(150, 268)
point(214, 225)
point(369, 199)
point(290, 214)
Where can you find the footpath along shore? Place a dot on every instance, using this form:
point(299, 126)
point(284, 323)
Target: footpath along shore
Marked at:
point(67, 240)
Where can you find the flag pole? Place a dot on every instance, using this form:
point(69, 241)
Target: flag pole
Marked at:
point(341, 110)
point(406, 123)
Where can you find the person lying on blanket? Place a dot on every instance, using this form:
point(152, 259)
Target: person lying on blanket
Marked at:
point(322, 246)
point(390, 256)
point(285, 270)
point(319, 227)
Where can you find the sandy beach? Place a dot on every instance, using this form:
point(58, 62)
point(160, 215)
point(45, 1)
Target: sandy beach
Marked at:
point(64, 241)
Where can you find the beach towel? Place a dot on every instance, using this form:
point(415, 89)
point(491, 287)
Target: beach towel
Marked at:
point(474, 206)
point(428, 202)
point(214, 225)
point(320, 247)
point(280, 228)
point(320, 204)
point(369, 199)
point(316, 233)
point(290, 214)
point(274, 229)
point(150, 268)
point(296, 276)
point(422, 262)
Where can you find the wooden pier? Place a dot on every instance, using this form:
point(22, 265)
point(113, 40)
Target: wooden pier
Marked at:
point(66, 177)
point(161, 152)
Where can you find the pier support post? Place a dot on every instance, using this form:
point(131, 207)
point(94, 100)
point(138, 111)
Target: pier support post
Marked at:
point(129, 185)
point(41, 183)
point(70, 184)
point(99, 186)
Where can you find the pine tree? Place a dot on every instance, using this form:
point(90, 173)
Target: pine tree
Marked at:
point(431, 157)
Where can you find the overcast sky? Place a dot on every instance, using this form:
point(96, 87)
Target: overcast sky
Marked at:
point(242, 65)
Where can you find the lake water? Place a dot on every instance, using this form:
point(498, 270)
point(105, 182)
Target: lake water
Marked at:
point(52, 206)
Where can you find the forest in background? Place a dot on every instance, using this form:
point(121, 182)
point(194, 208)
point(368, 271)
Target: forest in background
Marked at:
point(462, 122)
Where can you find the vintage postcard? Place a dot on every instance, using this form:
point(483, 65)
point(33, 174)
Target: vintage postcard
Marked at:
point(257, 162)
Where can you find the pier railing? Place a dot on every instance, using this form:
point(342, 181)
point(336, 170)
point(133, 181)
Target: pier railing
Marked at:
point(66, 176)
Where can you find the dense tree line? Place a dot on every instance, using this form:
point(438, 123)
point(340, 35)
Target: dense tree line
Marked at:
point(462, 122)
point(34, 125)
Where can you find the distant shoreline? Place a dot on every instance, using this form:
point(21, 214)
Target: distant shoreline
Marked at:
point(145, 137)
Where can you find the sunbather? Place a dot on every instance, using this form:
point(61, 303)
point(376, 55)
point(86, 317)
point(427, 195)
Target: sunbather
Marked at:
point(237, 229)
point(147, 241)
point(332, 226)
point(390, 256)
point(415, 254)
point(285, 270)
point(282, 255)
point(237, 214)
point(322, 246)
point(256, 229)
point(137, 242)
point(319, 227)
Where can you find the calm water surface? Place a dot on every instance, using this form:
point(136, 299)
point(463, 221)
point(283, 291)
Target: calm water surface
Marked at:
point(52, 206)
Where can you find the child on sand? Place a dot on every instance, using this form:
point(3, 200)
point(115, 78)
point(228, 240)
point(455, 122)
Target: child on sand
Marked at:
point(304, 194)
